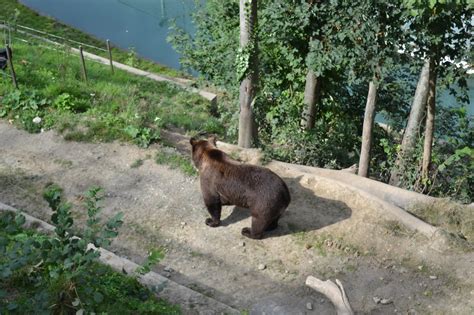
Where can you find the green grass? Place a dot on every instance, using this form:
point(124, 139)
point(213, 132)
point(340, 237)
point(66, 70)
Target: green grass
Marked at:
point(108, 107)
point(14, 12)
point(453, 217)
point(172, 158)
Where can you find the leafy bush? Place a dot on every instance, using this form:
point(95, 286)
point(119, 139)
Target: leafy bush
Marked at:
point(23, 107)
point(60, 273)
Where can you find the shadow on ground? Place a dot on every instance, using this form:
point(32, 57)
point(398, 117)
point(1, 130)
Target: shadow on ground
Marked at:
point(306, 212)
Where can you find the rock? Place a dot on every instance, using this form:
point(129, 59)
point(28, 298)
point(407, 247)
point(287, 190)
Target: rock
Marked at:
point(37, 120)
point(168, 269)
point(433, 277)
point(309, 306)
point(242, 244)
point(385, 301)
point(262, 267)
point(167, 274)
point(183, 223)
point(376, 299)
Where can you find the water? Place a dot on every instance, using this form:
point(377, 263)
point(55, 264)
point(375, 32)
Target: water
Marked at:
point(141, 24)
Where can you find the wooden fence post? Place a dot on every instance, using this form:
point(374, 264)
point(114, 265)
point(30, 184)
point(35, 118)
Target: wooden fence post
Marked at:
point(110, 56)
point(84, 71)
point(10, 64)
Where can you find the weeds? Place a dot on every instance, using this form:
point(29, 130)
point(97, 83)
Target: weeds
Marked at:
point(60, 273)
point(323, 244)
point(137, 163)
point(175, 160)
point(453, 217)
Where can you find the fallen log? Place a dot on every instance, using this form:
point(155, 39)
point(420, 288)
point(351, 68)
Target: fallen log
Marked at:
point(334, 292)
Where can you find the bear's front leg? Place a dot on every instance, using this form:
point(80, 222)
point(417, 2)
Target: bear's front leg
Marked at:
point(214, 208)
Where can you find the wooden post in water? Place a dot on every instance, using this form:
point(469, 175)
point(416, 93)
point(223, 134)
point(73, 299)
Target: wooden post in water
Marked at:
point(110, 56)
point(10, 64)
point(84, 71)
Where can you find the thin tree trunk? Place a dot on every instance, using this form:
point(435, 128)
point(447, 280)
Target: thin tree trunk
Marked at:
point(414, 122)
point(312, 94)
point(248, 86)
point(430, 119)
point(364, 160)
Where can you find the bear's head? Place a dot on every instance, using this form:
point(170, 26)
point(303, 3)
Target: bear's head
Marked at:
point(201, 147)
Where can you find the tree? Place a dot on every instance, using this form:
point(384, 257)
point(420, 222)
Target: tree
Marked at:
point(430, 120)
point(369, 116)
point(439, 32)
point(312, 91)
point(410, 136)
point(312, 94)
point(367, 37)
point(248, 86)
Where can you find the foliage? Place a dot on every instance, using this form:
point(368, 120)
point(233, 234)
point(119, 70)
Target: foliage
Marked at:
point(26, 105)
point(217, 34)
point(346, 44)
point(60, 273)
point(154, 256)
point(109, 107)
point(451, 173)
point(142, 136)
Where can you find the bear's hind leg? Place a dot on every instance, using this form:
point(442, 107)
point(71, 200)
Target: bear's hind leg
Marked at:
point(257, 229)
point(273, 225)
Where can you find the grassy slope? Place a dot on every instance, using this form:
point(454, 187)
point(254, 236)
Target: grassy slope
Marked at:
point(107, 107)
point(29, 18)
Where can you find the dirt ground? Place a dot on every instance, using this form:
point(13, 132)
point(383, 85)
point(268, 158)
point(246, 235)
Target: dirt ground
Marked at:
point(327, 232)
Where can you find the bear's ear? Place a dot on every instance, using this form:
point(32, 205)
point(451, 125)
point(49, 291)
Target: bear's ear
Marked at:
point(213, 140)
point(192, 141)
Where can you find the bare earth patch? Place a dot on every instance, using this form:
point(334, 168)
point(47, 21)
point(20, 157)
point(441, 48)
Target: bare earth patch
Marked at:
point(327, 231)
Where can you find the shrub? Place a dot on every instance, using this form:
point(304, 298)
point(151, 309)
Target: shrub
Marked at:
point(60, 273)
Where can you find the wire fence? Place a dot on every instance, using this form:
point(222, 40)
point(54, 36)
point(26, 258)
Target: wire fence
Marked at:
point(33, 36)
point(42, 35)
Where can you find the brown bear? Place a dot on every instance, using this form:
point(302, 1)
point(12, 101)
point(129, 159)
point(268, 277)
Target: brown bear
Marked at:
point(227, 182)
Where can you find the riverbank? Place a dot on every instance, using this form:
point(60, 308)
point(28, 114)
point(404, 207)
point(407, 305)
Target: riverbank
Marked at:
point(14, 12)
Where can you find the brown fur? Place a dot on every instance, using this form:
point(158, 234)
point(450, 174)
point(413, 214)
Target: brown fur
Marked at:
point(228, 182)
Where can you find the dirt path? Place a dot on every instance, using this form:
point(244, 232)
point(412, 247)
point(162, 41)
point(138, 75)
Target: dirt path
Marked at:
point(327, 232)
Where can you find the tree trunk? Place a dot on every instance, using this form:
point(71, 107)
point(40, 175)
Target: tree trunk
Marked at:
point(412, 128)
point(312, 94)
point(430, 119)
point(248, 86)
point(369, 116)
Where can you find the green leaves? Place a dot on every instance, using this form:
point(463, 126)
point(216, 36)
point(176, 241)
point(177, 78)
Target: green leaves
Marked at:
point(242, 59)
point(458, 155)
point(53, 195)
point(154, 256)
point(142, 136)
